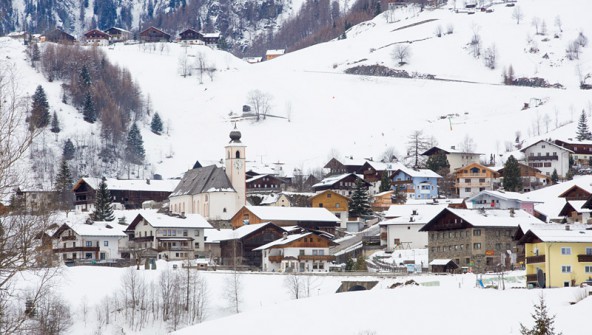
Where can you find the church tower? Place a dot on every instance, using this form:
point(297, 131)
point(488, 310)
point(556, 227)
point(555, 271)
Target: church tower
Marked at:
point(235, 166)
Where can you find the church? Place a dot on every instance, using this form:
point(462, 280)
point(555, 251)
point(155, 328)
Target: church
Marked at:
point(213, 192)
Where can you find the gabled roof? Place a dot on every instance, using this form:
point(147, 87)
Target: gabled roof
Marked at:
point(273, 213)
point(189, 30)
point(451, 150)
point(97, 32)
point(382, 166)
point(333, 193)
point(558, 233)
point(289, 239)
point(167, 185)
point(547, 142)
point(203, 180)
point(252, 179)
point(412, 214)
point(576, 205)
point(420, 173)
point(332, 180)
point(275, 52)
point(502, 218)
point(246, 230)
point(160, 220)
point(572, 141)
point(154, 28)
point(480, 166)
point(96, 229)
point(585, 188)
point(522, 197)
point(118, 29)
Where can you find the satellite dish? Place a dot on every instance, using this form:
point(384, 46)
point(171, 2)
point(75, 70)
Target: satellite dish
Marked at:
point(541, 278)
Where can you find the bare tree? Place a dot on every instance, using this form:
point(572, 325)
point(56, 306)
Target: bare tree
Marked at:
point(573, 50)
point(201, 65)
point(517, 14)
point(438, 30)
point(475, 43)
point(294, 284)
point(558, 23)
point(546, 121)
point(468, 144)
point(184, 67)
point(260, 102)
point(416, 145)
point(233, 293)
point(401, 53)
point(536, 23)
point(450, 29)
point(490, 57)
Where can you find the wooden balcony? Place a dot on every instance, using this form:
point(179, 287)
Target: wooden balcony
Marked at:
point(76, 249)
point(542, 158)
point(328, 258)
point(531, 277)
point(276, 259)
point(69, 238)
point(535, 259)
point(471, 175)
point(584, 258)
point(143, 239)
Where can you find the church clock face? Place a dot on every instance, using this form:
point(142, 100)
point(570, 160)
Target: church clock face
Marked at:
point(238, 165)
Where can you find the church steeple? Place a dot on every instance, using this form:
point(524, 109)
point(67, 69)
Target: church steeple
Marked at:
point(235, 165)
point(235, 135)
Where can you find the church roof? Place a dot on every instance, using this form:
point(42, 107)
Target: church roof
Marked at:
point(203, 180)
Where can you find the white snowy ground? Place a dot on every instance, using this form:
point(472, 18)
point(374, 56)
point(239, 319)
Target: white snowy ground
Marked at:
point(446, 304)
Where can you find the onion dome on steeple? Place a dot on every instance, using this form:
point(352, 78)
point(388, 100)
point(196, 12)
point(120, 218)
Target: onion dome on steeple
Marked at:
point(235, 135)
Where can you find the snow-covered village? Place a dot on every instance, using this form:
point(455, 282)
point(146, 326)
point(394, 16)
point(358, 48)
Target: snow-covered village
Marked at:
point(221, 167)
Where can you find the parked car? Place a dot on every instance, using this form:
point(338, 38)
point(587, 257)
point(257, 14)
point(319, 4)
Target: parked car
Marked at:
point(586, 283)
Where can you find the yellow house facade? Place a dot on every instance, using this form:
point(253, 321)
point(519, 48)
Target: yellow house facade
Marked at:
point(558, 255)
point(334, 203)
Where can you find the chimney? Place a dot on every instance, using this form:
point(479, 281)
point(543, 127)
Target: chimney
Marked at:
point(414, 212)
point(285, 235)
point(512, 212)
point(182, 215)
point(148, 181)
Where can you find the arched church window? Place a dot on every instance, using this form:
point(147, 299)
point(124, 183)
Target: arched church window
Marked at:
point(238, 154)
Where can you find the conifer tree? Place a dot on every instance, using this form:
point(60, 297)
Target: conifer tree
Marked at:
point(156, 124)
point(543, 323)
point(385, 182)
point(135, 146)
point(554, 176)
point(68, 152)
point(55, 124)
point(63, 186)
point(103, 209)
point(359, 204)
point(40, 109)
point(85, 76)
point(512, 180)
point(437, 162)
point(583, 131)
point(88, 109)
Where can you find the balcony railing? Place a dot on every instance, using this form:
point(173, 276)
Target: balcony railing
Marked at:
point(69, 238)
point(535, 259)
point(276, 259)
point(76, 249)
point(473, 184)
point(584, 258)
point(143, 239)
point(531, 277)
point(316, 258)
point(471, 175)
point(543, 158)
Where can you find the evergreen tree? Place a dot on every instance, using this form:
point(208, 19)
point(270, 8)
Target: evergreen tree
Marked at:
point(55, 124)
point(543, 323)
point(156, 124)
point(385, 182)
point(63, 187)
point(349, 264)
point(399, 196)
point(103, 209)
point(512, 180)
point(437, 162)
point(554, 176)
point(360, 264)
point(35, 53)
point(40, 109)
point(583, 131)
point(68, 152)
point(359, 204)
point(135, 146)
point(88, 109)
point(85, 76)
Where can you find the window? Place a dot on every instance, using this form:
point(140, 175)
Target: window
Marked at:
point(468, 181)
point(301, 252)
point(106, 243)
point(314, 252)
point(476, 232)
point(196, 232)
point(196, 245)
point(89, 243)
point(336, 205)
point(185, 233)
point(498, 246)
point(588, 268)
point(328, 195)
point(477, 246)
point(467, 189)
point(566, 251)
point(320, 204)
point(566, 268)
point(588, 251)
point(481, 180)
point(467, 261)
point(321, 252)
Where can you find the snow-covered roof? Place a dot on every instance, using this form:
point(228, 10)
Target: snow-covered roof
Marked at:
point(560, 233)
point(419, 173)
point(450, 150)
point(275, 52)
point(577, 206)
point(382, 166)
point(211, 35)
point(97, 229)
point(331, 180)
point(282, 241)
point(522, 197)
point(547, 142)
point(273, 213)
point(243, 231)
point(159, 220)
point(575, 141)
point(455, 201)
point(113, 184)
point(440, 261)
point(216, 235)
point(495, 217)
point(412, 214)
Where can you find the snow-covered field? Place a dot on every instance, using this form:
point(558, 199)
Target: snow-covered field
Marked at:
point(442, 304)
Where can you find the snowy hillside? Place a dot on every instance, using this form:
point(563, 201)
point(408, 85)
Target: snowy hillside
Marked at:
point(322, 111)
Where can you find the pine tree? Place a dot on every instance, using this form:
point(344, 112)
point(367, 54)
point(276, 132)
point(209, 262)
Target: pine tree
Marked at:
point(349, 264)
point(512, 180)
point(35, 53)
point(85, 77)
point(103, 209)
point(68, 152)
point(55, 124)
point(399, 196)
point(583, 132)
point(156, 124)
point(63, 186)
point(360, 264)
point(543, 323)
point(40, 109)
point(385, 182)
point(554, 176)
point(437, 162)
point(135, 146)
point(88, 109)
point(359, 205)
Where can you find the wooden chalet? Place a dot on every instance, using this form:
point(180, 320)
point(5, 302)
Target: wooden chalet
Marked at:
point(237, 248)
point(97, 37)
point(382, 201)
point(575, 193)
point(582, 150)
point(574, 211)
point(59, 36)
point(335, 167)
point(119, 34)
point(190, 35)
point(532, 178)
point(303, 217)
point(334, 203)
point(130, 193)
point(265, 183)
point(343, 184)
point(152, 34)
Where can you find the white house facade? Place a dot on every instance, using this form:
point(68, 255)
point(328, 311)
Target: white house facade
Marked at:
point(547, 157)
point(93, 241)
